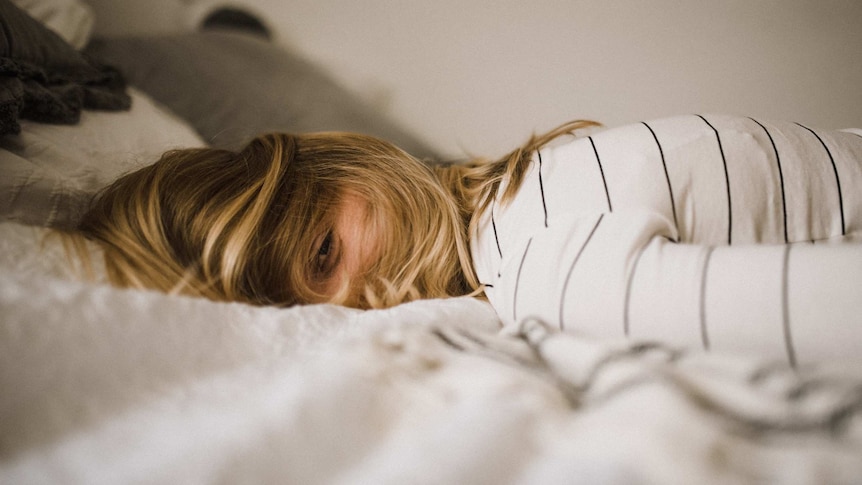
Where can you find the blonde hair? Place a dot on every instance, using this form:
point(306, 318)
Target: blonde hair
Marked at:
point(242, 226)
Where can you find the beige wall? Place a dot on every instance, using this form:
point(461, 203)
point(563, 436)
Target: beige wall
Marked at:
point(479, 76)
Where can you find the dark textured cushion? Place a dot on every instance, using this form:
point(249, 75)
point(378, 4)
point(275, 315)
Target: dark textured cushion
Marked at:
point(43, 78)
point(231, 86)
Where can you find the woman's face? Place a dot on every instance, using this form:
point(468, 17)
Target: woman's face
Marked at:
point(346, 252)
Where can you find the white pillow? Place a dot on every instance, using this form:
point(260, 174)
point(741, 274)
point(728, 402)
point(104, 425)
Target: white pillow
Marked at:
point(70, 19)
point(675, 230)
point(39, 253)
point(48, 173)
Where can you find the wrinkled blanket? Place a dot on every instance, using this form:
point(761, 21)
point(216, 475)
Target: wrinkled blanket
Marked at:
point(101, 385)
point(42, 78)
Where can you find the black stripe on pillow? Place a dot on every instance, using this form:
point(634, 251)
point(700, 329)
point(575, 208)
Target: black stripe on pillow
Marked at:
point(667, 178)
point(572, 267)
point(785, 308)
point(726, 179)
point(604, 182)
point(837, 179)
point(496, 237)
point(780, 177)
point(518, 281)
point(542, 188)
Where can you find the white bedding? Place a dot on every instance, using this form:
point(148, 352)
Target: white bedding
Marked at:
point(102, 385)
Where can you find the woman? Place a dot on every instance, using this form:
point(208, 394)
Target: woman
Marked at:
point(331, 217)
point(353, 220)
point(326, 217)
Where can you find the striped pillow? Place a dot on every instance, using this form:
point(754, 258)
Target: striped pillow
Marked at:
point(712, 231)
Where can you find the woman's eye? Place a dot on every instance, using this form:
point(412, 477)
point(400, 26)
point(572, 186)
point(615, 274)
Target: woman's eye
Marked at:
point(325, 259)
point(325, 246)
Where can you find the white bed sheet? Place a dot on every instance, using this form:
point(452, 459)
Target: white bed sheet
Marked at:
point(102, 385)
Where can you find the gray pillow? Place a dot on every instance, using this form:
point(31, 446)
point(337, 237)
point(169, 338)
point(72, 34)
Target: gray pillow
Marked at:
point(232, 86)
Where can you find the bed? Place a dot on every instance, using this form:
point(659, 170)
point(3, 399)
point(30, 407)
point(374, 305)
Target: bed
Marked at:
point(106, 385)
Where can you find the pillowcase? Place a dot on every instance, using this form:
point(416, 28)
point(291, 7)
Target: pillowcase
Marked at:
point(681, 230)
point(70, 19)
point(48, 173)
point(231, 86)
point(45, 79)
